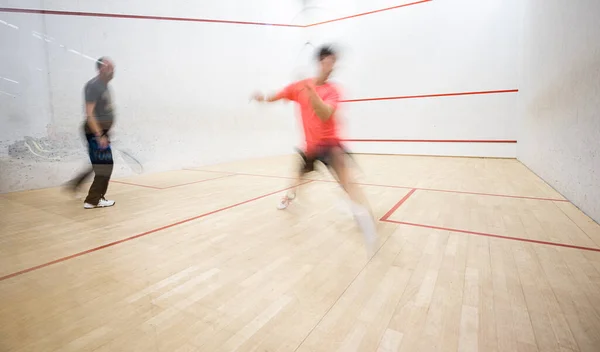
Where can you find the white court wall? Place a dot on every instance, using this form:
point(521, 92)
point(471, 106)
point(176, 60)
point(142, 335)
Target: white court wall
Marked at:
point(181, 88)
point(435, 47)
point(559, 135)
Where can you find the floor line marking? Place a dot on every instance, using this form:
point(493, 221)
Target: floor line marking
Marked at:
point(398, 205)
point(390, 186)
point(134, 184)
point(169, 187)
point(518, 239)
point(114, 243)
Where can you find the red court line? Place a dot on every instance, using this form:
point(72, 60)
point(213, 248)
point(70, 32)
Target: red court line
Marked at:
point(368, 13)
point(200, 181)
point(431, 140)
point(518, 239)
point(141, 17)
point(253, 175)
point(373, 184)
point(395, 207)
point(392, 186)
point(162, 188)
point(134, 184)
point(431, 95)
point(186, 19)
point(493, 195)
point(111, 244)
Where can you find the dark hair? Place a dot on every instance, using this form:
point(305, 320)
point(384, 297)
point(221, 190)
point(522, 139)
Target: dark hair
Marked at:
point(99, 63)
point(324, 52)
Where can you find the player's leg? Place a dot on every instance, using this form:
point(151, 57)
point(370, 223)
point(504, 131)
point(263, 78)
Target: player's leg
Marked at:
point(358, 202)
point(74, 184)
point(102, 164)
point(306, 164)
point(337, 161)
point(106, 172)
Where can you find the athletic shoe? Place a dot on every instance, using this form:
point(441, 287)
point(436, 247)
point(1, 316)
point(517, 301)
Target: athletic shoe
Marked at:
point(367, 225)
point(103, 203)
point(285, 201)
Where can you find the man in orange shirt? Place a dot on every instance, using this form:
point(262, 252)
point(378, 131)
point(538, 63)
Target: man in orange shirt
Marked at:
point(318, 100)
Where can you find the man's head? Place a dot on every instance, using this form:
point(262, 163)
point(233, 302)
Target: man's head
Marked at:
point(106, 68)
point(327, 58)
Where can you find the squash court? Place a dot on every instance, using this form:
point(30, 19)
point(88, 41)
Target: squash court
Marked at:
point(473, 129)
point(474, 254)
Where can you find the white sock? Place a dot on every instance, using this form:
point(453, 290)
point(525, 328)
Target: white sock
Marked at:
point(358, 209)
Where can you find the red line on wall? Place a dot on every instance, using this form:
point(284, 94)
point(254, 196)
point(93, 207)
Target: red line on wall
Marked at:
point(519, 239)
point(398, 205)
point(431, 95)
point(60, 260)
point(185, 19)
point(430, 140)
point(368, 13)
point(141, 17)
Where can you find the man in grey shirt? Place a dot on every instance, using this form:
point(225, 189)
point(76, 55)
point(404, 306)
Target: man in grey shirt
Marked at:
point(99, 120)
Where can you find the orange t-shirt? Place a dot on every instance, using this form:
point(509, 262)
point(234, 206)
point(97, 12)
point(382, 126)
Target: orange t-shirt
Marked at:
point(316, 131)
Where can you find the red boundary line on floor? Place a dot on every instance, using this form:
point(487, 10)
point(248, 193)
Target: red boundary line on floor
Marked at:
point(188, 19)
point(389, 186)
point(169, 187)
point(199, 181)
point(431, 140)
point(56, 261)
point(398, 205)
point(367, 13)
point(141, 17)
point(386, 218)
point(134, 184)
point(493, 195)
point(431, 95)
point(518, 239)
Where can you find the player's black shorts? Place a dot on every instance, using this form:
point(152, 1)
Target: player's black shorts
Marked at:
point(323, 153)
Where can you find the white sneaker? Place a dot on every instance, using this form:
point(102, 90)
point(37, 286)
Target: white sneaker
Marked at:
point(103, 203)
point(367, 225)
point(285, 201)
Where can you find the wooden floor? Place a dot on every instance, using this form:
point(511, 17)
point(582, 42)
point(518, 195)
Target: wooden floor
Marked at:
point(475, 255)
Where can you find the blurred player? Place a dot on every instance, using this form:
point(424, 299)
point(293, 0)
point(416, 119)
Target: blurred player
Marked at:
point(318, 101)
point(100, 117)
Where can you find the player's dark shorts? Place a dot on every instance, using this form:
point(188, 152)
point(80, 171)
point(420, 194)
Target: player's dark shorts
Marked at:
point(323, 153)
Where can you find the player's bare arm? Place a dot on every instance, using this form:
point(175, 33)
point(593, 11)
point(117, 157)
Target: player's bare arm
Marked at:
point(264, 98)
point(322, 109)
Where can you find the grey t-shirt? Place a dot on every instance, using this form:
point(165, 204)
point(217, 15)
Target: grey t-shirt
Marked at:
point(96, 91)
